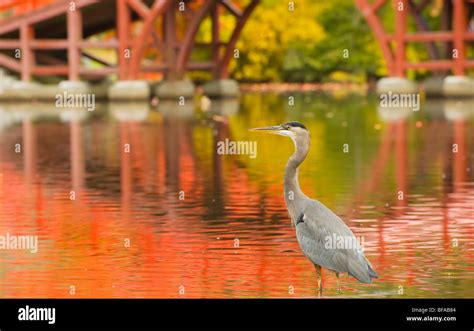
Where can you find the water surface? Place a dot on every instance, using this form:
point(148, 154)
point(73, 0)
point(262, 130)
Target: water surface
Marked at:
point(172, 218)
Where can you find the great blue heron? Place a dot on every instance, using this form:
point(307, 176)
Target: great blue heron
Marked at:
point(317, 227)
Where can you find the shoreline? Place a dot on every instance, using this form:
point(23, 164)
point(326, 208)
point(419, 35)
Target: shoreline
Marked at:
point(301, 87)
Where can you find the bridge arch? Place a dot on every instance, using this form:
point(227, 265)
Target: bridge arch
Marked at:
point(454, 35)
point(70, 27)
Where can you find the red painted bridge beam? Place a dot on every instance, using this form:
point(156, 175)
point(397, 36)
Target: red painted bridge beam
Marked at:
point(190, 36)
point(159, 7)
point(210, 7)
point(370, 14)
point(223, 68)
point(459, 29)
point(27, 55)
point(74, 36)
point(395, 57)
point(169, 33)
point(401, 9)
point(123, 36)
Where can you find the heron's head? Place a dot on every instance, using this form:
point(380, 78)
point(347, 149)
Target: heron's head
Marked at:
point(295, 130)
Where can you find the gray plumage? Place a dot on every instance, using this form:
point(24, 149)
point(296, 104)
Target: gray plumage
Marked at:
point(314, 222)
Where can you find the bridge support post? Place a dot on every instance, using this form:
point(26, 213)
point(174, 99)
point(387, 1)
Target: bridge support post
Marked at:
point(27, 60)
point(175, 89)
point(396, 85)
point(123, 32)
point(129, 90)
point(74, 87)
point(459, 27)
point(458, 87)
point(223, 88)
point(401, 9)
point(21, 90)
point(170, 42)
point(433, 86)
point(74, 36)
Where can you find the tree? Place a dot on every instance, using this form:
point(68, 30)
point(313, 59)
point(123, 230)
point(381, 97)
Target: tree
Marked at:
point(273, 32)
point(348, 46)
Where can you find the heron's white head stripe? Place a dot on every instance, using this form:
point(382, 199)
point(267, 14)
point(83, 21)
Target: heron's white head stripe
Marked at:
point(287, 133)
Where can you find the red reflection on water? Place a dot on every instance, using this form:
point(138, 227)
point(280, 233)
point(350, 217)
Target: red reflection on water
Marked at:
point(228, 237)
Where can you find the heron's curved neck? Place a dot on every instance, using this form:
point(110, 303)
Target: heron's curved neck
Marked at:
point(292, 187)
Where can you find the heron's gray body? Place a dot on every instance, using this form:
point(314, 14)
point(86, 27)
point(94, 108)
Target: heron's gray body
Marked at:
point(316, 224)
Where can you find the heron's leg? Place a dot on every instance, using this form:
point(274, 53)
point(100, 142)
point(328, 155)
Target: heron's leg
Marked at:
point(318, 275)
point(338, 283)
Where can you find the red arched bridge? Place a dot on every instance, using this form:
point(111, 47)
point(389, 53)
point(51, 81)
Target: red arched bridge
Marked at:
point(52, 37)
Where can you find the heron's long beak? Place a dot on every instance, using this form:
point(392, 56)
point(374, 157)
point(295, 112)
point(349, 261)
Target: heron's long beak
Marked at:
point(271, 129)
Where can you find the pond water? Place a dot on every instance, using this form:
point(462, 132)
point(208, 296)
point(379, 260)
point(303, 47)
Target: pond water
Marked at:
point(133, 200)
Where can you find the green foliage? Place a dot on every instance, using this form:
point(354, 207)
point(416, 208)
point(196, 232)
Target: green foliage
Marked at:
point(273, 36)
point(306, 44)
point(349, 44)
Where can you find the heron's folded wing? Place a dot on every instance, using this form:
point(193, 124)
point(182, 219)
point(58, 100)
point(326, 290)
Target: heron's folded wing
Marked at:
point(314, 242)
point(317, 235)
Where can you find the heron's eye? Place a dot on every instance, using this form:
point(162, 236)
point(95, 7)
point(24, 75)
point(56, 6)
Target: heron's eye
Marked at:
point(286, 127)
